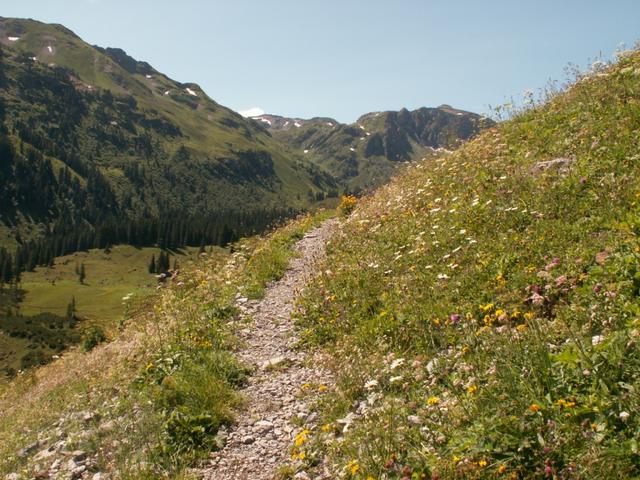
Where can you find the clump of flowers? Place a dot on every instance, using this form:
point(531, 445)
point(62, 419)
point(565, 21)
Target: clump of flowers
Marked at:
point(347, 204)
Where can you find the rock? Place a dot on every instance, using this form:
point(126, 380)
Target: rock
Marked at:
point(248, 440)
point(12, 476)
point(561, 165)
point(302, 476)
point(29, 449)
point(263, 426)
point(44, 454)
point(78, 456)
point(97, 476)
point(91, 416)
point(78, 471)
point(274, 362)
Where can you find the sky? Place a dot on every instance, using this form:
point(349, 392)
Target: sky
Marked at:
point(344, 58)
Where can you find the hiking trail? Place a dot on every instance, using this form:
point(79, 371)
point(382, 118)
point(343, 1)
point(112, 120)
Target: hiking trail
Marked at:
point(277, 408)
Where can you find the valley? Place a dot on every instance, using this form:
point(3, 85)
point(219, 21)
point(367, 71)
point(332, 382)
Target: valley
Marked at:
point(104, 159)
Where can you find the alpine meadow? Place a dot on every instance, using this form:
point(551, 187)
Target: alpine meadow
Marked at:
point(420, 293)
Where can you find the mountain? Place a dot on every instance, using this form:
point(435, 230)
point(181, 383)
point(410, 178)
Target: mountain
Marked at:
point(364, 154)
point(99, 135)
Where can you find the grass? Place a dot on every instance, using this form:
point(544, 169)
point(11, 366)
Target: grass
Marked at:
point(167, 382)
point(99, 303)
point(482, 309)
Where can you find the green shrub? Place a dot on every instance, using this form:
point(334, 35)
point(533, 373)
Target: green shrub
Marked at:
point(93, 336)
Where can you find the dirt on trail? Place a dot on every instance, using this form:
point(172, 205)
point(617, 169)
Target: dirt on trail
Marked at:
point(277, 404)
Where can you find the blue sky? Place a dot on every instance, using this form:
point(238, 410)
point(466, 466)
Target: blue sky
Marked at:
point(343, 58)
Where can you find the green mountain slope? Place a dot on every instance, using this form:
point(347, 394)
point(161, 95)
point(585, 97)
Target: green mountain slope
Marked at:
point(99, 134)
point(483, 309)
point(365, 154)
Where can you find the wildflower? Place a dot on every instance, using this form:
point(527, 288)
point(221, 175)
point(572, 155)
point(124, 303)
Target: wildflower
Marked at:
point(398, 362)
point(323, 388)
point(482, 463)
point(371, 384)
point(521, 328)
point(353, 467)
point(624, 416)
point(529, 315)
point(502, 469)
point(472, 389)
point(534, 407)
point(456, 459)
point(564, 404)
point(326, 427)
point(433, 401)
point(486, 308)
point(301, 438)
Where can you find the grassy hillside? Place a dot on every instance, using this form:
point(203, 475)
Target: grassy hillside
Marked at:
point(363, 155)
point(148, 404)
point(483, 309)
point(101, 134)
point(121, 273)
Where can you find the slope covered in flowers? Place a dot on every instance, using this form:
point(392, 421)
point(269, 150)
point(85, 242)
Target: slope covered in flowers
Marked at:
point(484, 308)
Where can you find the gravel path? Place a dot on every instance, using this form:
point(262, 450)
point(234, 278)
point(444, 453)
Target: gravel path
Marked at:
point(277, 403)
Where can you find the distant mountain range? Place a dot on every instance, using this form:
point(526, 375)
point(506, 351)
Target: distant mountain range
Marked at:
point(363, 154)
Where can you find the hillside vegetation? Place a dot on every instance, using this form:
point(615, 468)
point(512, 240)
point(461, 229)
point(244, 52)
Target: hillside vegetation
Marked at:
point(150, 403)
point(483, 309)
point(38, 323)
point(107, 141)
point(363, 155)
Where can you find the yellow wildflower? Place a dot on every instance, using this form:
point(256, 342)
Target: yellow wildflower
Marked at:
point(326, 427)
point(301, 438)
point(323, 388)
point(486, 308)
point(502, 469)
point(482, 463)
point(472, 389)
point(433, 401)
point(353, 467)
point(521, 328)
point(529, 315)
point(534, 407)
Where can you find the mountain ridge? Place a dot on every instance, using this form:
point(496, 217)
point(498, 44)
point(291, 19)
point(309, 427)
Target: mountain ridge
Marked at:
point(365, 153)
